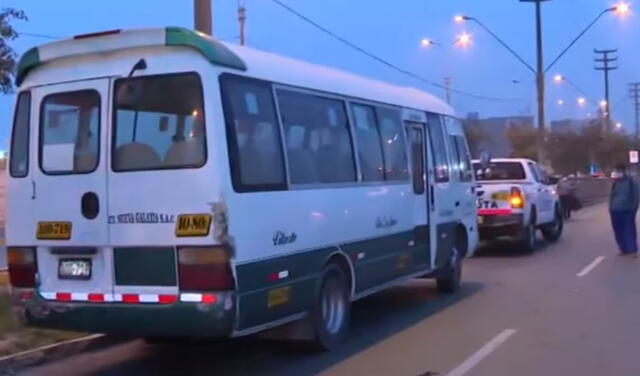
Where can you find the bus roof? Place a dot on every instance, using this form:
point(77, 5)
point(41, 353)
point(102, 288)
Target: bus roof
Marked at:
point(259, 64)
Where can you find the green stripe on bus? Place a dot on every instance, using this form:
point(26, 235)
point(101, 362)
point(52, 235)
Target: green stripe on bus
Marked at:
point(214, 51)
point(28, 61)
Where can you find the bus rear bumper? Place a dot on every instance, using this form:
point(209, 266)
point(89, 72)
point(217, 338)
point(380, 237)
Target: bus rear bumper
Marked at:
point(179, 320)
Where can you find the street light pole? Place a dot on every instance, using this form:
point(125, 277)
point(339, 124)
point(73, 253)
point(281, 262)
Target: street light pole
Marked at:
point(202, 16)
point(540, 82)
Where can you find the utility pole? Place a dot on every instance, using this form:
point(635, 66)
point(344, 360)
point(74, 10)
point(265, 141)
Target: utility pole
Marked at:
point(634, 91)
point(605, 59)
point(202, 16)
point(447, 84)
point(540, 80)
point(242, 18)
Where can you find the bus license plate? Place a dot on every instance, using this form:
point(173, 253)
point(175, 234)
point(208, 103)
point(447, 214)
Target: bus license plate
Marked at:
point(74, 269)
point(54, 230)
point(193, 225)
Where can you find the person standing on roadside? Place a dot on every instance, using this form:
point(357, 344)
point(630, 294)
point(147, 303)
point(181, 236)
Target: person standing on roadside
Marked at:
point(623, 206)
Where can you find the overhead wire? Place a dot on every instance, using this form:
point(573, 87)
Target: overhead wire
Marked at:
point(384, 61)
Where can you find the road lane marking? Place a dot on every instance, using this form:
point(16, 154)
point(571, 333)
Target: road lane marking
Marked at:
point(590, 267)
point(484, 351)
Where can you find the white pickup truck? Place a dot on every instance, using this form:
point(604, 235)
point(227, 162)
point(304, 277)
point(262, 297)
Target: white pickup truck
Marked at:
point(515, 199)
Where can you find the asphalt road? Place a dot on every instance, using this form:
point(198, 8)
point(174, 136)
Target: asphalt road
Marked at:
point(572, 308)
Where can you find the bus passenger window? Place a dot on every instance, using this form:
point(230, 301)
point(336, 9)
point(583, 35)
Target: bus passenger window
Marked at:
point(466, 170)
point(417, 159)
point(369, 147)
point(19, 159)
point(317, 139)
point(253, 135)
point(69, 132)
point(395, 155)
point(438, 147)
point(159, 123)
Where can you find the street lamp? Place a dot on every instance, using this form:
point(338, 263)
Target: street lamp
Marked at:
point(603, 103)
point(464, 39)
point(618, 125)
point(560, 102)
point(427, 42)
point(621, 9)
point(582, 101)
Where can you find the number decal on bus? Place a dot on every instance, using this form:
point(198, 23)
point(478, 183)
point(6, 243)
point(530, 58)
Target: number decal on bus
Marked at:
point(193, 225)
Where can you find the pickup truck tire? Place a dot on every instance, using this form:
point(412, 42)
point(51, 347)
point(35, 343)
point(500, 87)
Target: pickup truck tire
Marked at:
point(553, 231)
point(527, 243)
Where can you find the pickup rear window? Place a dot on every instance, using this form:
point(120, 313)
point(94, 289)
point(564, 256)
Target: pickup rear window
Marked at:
point(499, 171)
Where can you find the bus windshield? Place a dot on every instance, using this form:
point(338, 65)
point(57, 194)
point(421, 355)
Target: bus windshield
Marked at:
point(158, 123)
point(499, 171)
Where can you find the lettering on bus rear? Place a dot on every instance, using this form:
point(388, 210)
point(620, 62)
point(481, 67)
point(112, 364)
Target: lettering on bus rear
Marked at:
point(193, 225)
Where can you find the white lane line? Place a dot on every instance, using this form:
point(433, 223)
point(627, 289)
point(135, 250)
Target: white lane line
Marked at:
point(484, 351)
point(590, 267)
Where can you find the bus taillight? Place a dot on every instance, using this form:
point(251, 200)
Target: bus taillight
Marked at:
point(22, 266)
point(204, 269)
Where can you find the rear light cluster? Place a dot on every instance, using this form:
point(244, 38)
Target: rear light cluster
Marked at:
point(517, 198)
point(204, 269)
point(22, 266)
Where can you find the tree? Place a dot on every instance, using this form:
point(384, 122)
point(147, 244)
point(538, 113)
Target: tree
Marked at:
point(8, 56)
point(523, 141)
point(475, 135)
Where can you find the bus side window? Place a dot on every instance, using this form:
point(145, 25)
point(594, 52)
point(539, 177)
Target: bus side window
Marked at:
point(19, 160)
point(369, 146)
point(438, 148)
point(393, 146)
point(417, 159)
point(466, 170)
point(317, 139)
point(253, 135)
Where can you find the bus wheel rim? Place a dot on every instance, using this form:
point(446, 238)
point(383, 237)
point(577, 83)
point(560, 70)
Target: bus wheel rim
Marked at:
point(333, 306)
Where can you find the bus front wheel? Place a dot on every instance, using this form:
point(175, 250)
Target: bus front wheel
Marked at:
point(330, 315)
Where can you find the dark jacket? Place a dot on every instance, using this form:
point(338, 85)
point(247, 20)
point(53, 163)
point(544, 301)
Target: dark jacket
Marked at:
point(624, 195)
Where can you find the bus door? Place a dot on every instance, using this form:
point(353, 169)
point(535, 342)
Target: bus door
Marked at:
point(69, 131)
point(417, 145)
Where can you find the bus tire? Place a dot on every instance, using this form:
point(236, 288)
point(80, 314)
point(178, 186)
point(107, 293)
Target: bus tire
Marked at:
point(553, 231)
point(451, 278)
point(332, 309)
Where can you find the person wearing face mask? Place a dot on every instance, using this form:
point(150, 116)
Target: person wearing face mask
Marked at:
point(623, 206)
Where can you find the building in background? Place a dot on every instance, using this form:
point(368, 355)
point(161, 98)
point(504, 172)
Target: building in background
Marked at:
point(491, 134)
point(570, 125)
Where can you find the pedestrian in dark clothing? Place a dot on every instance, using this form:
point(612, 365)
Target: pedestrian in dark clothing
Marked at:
point(623, 206)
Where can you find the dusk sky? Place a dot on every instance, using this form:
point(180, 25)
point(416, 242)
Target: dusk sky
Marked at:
point(393, 32)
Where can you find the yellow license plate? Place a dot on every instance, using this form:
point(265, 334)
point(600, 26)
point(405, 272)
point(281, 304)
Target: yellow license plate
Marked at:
point(480, 219)
point(54, 231)
point(501, 196)
point(193, 225)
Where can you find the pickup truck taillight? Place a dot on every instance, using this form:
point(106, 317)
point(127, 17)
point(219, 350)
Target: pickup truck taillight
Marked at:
point(22, 266)
point(204, 269)
point(517, 198)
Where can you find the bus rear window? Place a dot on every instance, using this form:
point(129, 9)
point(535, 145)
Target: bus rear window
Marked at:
point(19, 160)
point(499, 171)
point(158, 123)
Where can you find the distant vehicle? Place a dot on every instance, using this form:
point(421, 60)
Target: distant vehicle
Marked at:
point(515, 199)
point(165, 184)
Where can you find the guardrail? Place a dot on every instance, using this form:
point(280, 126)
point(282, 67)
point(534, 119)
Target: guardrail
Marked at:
point(592, 190)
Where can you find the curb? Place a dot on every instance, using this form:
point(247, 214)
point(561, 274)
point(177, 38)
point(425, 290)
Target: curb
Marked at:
point(40, 355)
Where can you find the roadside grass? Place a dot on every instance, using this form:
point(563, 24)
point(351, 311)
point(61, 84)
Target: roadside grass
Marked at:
point(15, 338)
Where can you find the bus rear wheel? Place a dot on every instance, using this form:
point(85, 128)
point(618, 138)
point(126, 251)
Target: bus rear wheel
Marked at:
point(330, 315)
point(452, 277)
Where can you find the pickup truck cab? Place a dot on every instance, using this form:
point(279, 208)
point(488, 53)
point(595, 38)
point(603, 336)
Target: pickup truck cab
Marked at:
point(515, 199)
